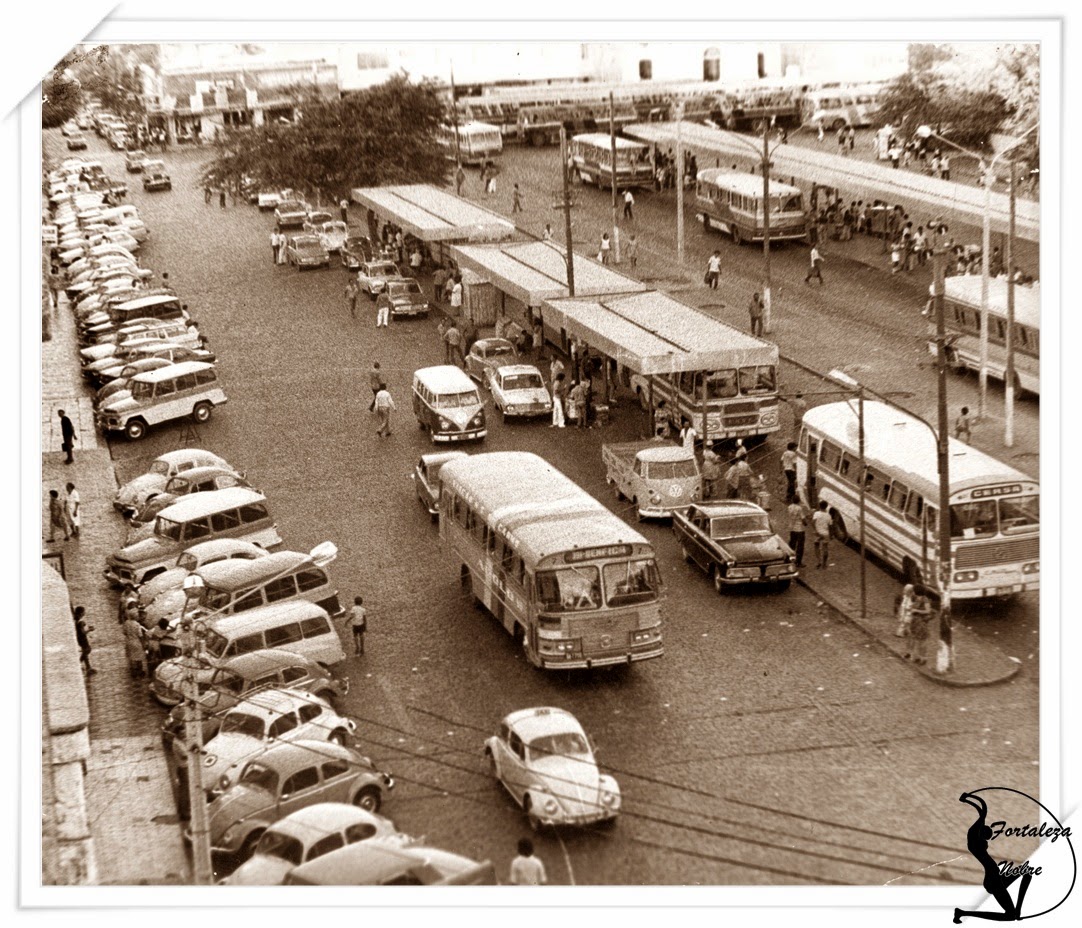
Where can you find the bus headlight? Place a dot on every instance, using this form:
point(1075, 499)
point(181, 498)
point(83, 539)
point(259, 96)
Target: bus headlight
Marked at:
point(769, 417)
point(1034, 568)
point(644, 635)
point(965, 576)
point(445, 425)
point(476, 420)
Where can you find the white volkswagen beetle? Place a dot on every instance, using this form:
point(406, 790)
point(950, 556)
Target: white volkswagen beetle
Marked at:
point(519, 390)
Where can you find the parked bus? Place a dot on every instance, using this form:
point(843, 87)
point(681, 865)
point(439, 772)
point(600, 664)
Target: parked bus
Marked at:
point(591, 155)
point(734, 203)
point(995, 509)
point(477, 142)
point(575, 584)
point(962, 310)
point(841, 107)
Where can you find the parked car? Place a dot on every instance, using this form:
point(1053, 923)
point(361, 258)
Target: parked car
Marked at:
point(172, 352)
point(487, 354)
point(309, 833)
point(332, 233)
point(196, 480)
point(355, 251)
point(76, 141)
point(269, 199)
point(372, 276)
point(135, 492)
point(123, 382)
point(403, 297)
point(133, 161)
point(426, 476)
point(283, 778)
point(544, 760)
point(519, 390)
point(291, 213)
point(371, 863)
point(155, 177)
point(732, 541)
point(304, 251)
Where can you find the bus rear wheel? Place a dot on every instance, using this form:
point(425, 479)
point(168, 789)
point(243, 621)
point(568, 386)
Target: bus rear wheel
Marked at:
point(465, 579)
point(738, 239)
point(837, 526)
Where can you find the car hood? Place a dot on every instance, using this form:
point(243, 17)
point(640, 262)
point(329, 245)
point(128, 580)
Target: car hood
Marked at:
point(163, 583)
point(531, 395)
point(459, 416)
point(167, 605)
point(146, 549)
point(754, 548)
point(97, 352)
point(118, 403)
point(140, 487)
point(236, 803)
point(138, 532)
point(261, 870)
point(575, 784)
point(107, 362)
point(229, 752)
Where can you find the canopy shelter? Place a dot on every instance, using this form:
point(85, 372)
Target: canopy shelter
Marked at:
point(532, 272)
point(434, 215)
point(654, 333)
point(857, 179)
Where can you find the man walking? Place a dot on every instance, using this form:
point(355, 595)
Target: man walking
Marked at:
point(527, 870)
point(384, 405)
point(358, 624)
point(72, 506)
point(815, 266)
point(629, 202)
point(713, 270)
point(343, 209)
point(821, 522)
point(755, 310)
point(383, 313)
point(274, 247)
point(516, 199)
point(788, 468)
point(453, 338)
point(58, 519)
point(460, 179)
point(221, 198)
point(375, 381)
point(604, 251)
point(82, 638)
point(352, 289)
point(633, 250)
point(798, 519)
point(962, 426)
point(67, 436)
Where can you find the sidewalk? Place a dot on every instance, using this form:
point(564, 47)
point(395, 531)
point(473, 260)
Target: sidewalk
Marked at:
point(129, 801)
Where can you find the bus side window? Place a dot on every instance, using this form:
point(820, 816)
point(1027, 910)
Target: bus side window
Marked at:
point(850, 469)
point(507, 556)
point(1001, 330)
point(460, 511)
point(518, 571)
point(914, 508)
point(876, 483)
point(898, 494)
point(830, 456)
point(803, 440)
point(1021, 334)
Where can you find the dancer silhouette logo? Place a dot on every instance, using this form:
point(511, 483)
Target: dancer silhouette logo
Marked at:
point(1004, 847)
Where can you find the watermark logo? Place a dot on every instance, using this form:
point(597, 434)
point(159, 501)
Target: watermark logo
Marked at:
point(1003, 846)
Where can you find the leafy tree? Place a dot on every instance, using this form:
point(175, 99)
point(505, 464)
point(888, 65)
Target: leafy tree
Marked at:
point(62, 91)
point(387, 134)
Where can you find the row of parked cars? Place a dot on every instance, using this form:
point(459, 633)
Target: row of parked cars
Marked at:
point(290, 797)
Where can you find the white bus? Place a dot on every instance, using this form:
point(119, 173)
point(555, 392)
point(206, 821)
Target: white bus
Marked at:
point(591, 155)
point(477, 142)
point(962, 310)
point(995, 509)
point(734, 203)
point(577, 586)
point(841, 107)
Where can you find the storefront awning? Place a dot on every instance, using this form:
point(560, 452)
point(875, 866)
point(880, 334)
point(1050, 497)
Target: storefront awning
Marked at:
point(434, 215)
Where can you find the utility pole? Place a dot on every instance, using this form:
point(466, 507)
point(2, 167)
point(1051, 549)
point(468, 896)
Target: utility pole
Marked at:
point(454, 123)
point(943, 457)
point(1008, 411)
point(565, 173)
point(768, 326)
point(986, 247)
point(863, 495)
point(680, 193)
point(202, 867)
point(612, 147)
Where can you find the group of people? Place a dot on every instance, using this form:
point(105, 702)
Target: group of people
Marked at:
point(64, 512)
point(665, 168)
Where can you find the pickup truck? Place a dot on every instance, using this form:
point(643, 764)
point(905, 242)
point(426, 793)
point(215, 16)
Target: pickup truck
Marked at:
point(656, 475)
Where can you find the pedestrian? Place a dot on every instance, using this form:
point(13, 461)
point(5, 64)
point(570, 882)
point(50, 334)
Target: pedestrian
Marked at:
point(82, 638)
point(58, 517)
point(490, 184)
point(920, 615)
point(896, 257)
point(73, 509)
point(358, 624)
point(546, 236)
point(343, 209)
point(516, 199)
point(755, 310)
point(135, 646)
point(821, 523)
point(815, 266)
point(788, 468)
point(662, 420)
point(206, 193)
point(711, 472)
point(852, 139)
point(68, 438)
point(460, 179)
point(453, 338)
point(56, 284)
point(688, 435)
point(798, 521)
point(282, 247)
point(559, 398)
point(274, 246)
point(962, 426)
point(537, 338)
point(527, 870)
point(154, 639)
point(576, 405)
point(903, 607)
point(221, 198)
point(416, 260)
point(821, 133)
point(713, 270)
point(945, 167)
point(384, 406)
point(920, 246)
point(352, 290)
point(376, 383)
point(456, 294)
point(556, 367)
point(629, 202)
point(842, 141)
point(383, 312)
point(738, 479)
point(633, 249)
point(761, 492)
point(604, 251)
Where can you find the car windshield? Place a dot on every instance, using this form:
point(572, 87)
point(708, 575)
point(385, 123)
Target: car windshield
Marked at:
point(188, 561)
point(404, 289)
point(492, 351)
point(167, 528)
point(755, 380)
point(214, 599)
point(522, 382)
point(290, 206)
point(560, 743)
point(308, 244)
point(215, 644)
point(178, 485)
point(382, 270)
point(241, 723)
point(284, 847)
point(256, 776)
point(569, 589)
point(630, 582)
point(141, 390)
point(670, 470)
point(454, 400)
point(750, 523)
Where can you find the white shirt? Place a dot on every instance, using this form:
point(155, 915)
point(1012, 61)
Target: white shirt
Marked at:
point(821, 520)
point(456, 295)
point(604, 244)
point(714, 265)
point(628, 198)
point(527, 871)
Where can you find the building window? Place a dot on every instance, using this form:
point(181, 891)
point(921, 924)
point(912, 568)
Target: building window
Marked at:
point(646, 69)
point(761, 62)
point(368, 60)
point(711, 65)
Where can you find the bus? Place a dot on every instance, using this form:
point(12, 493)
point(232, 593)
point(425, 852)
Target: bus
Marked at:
point(539, 124)
point(591, 155)
point(477, 142)
point(962, 312)
point(841, 107)
point(995, 509)
point(578, 587)
point(734, 203)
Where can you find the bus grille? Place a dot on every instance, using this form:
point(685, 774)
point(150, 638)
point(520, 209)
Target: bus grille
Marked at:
point(741, 408)
point(997, 552)
point(738, 421)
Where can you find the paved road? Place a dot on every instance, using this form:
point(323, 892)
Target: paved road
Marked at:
point(771, 744)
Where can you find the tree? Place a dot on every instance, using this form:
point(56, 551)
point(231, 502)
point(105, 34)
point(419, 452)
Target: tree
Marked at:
point(387, 134)
point(62, 91)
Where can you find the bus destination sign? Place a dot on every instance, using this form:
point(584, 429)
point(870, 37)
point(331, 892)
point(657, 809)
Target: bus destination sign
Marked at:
point(590, 554)
point(1007, 489)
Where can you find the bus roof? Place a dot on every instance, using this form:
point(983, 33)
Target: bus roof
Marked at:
point(904, 446)
point(541, 511)
point(199, 505)
point(475, 126)
point(966, 288)
point(445, 378)
point(748, 185)
point(604, 140)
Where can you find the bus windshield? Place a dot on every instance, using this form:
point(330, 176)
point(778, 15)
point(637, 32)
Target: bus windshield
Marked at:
point(1019, 512)
point(989, 517)
point(757, 380)
point(721, 385)
point(453, 400)
point(631, 582)
point(569, 589)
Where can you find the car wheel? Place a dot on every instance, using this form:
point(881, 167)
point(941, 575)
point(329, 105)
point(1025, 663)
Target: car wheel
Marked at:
point(687, 554)
point(247, 849)
point(135, 429)
point(338, 736)
point(202, 412)
point(716, 576)
point(368, 799)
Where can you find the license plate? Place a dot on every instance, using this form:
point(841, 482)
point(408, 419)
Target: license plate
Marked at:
point(1006, 590)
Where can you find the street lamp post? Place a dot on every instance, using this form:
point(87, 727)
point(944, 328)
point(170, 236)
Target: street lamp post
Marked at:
point(680, 185)
point(946, 636)
point(768, 325)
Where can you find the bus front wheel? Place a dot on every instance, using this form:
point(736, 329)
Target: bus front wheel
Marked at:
point(466, 580)
point(738, 239)
point(837, 526)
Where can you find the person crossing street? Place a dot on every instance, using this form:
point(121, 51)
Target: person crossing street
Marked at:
point(384, 406)
point(815, 266)
point(358, 624)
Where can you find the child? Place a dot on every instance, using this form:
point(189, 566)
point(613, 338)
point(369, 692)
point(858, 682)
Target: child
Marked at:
point(527, 870)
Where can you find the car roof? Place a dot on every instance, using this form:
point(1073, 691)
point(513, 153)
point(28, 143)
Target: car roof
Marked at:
point(441, 457)
point(180, 455)
point(666, 454)
point(312, 822)
point(173, 370)
point(256, 663)
point(368, 863)
point(510, 369)
point(237, 574)
point(493, 343)
point(542, 720)
point(286, 756)
point(219, 546)
point(197, 505)
point(403, 280)
point(272, 703)
point(729, 508)
point(145, 301)
point(206, 470)
point(445, 378)
point(295, 610)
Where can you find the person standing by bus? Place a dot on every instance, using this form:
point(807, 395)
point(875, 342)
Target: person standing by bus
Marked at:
point(920, 615)
point(798, 520)
point(788, 468)
point(559, 397)
point(963, 427)
point(629, 202)
point(821, 522)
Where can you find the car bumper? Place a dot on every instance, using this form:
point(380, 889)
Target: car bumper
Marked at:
point(771, 575)
point(410, 310)
point(121, 576)
point(165, 695)
point(471, 435)
point(662, 512)
point(587, 818)
point(526, 412)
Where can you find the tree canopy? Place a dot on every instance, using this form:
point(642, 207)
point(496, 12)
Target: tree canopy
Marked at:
point(387, 134)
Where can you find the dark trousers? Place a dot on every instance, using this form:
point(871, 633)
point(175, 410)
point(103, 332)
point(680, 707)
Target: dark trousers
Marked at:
point(274, 251)
point(790, 486)
point(813, 271)
point(358, 640)
point(67, 448)
point(796, 542)
point(756, 325)
point(627, 211)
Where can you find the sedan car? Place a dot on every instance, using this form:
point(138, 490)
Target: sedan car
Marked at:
point(77, 141)
point(376, 863)
point(488, 354)
point(133, 161)
point(134, 493)
point(269, 199)
point(196, 480)
point(155, 177)
point(291, 213)
point(355, 250)
point(544, 760)
point(403, 297)
point(332, 233)
point(733, 542)
point(426, 476)
point(308, 833)
point(372, 276)
point(519, 390)
point(316, 217)
point(285, 777)
point(303, 251)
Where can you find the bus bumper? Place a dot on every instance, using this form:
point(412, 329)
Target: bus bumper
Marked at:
point(576, 663)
